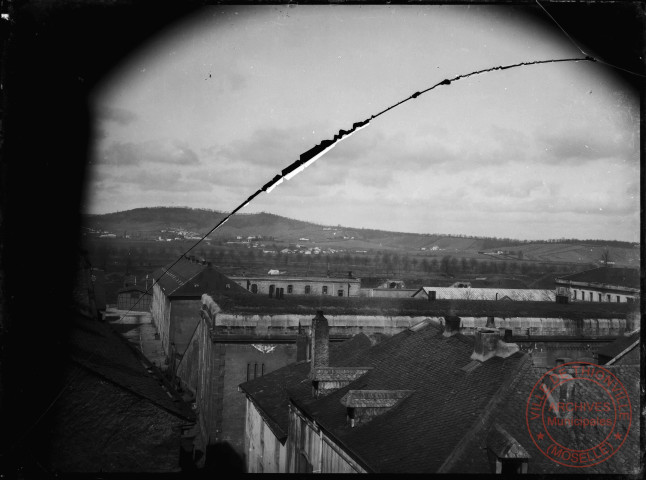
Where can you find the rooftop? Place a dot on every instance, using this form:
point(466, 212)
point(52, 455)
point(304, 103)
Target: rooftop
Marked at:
point(192, 278)
point(114, 414)
point(623, 277)
point(251, 304)
point(619, 346)
point(443, 399)
point(441, 416)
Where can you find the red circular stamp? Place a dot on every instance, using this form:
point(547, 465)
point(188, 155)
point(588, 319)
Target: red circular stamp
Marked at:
point(578, 414)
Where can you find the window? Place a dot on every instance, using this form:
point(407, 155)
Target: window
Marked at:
point(591, 299)
point(290, 288)
point(575, 295)
point(255, 370)
point(254, 288)
point(227, 285)
point(608, 298)
point(325, 290)
point(340, 292)
point(618, 299)
point(599, 297)
point(307, 289)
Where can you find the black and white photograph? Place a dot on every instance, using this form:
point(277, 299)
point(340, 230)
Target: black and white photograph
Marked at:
point(338, 237)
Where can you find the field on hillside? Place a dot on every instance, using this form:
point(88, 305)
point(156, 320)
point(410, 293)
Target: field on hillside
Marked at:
point(144, 239)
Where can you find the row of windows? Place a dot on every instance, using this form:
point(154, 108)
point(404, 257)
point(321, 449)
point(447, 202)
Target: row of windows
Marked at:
point(290, 289)
point(581, 295)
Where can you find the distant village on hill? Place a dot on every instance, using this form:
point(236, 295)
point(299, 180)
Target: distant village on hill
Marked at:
point(282, 346)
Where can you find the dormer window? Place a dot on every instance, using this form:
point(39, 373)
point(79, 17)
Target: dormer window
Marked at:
point(506, 454)
point(364, 405)
point(350, 416)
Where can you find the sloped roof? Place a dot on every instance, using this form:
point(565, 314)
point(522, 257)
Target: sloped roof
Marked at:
point(429, 423)
point(510, 415)
point(192, 279)
point(270, 394)
point(619, 346)
point(113, 414)
point(517, 294)
point(374, 398)
point(616, 276)
point(171, 277)
point(96, 347)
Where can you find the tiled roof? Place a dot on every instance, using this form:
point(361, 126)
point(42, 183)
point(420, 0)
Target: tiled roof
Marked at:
point(374, 398)
point(331, 374)
point(96, 347)
point(171, 277)
point(517, 294)
point(427, 425)
point(623, 277)
point(192, 279)
point(270, 393)
point(97, 426)
point(619, 346)
point(510, 415)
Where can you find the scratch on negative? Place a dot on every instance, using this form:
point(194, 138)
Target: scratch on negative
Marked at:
point(309, 157)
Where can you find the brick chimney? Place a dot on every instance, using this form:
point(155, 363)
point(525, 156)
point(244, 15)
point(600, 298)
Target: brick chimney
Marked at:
point(451, 325)
point(488, 344)
point(320, 341)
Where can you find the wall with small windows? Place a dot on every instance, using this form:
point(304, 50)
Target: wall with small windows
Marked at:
point(602, 296)
point(269, 286)
point(211, 370)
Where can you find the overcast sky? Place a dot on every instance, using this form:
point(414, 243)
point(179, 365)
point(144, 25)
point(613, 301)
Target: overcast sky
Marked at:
point(212, 109)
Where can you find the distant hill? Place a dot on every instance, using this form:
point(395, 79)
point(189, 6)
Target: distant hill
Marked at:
point(149, 223)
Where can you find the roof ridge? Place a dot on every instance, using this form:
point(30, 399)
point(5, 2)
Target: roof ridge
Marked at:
point(483, 421)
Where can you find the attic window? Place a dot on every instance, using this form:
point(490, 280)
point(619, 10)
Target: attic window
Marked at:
point(505, 453)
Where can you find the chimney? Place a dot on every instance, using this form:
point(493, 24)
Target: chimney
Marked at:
point(320, 341)
point(451, 325)
point(488, 344)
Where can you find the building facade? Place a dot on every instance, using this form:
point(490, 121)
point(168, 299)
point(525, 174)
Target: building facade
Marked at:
point(273, 285)
point(177, 300)
point(601, 285)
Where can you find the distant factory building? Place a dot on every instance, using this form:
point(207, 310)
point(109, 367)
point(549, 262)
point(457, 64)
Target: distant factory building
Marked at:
point(279, 286)
point(466, 293)
point(604, 284)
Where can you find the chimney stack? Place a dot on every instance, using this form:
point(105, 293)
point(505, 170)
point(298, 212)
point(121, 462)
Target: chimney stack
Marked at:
point(488, 344)
point(451, 325)
point(320, 341)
